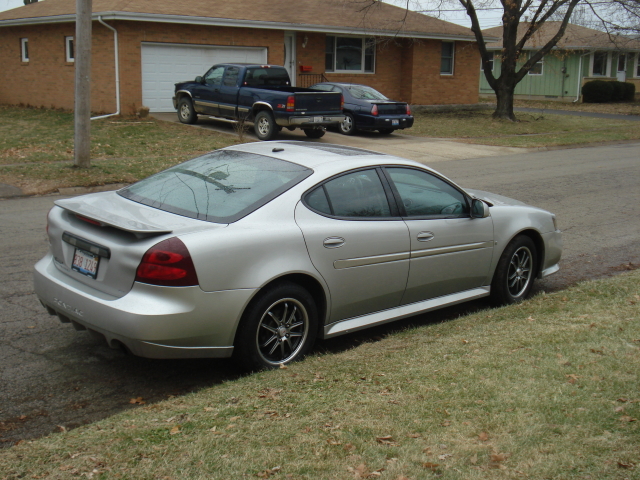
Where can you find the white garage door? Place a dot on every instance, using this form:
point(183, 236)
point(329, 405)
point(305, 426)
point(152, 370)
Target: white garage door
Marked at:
point(164, 65)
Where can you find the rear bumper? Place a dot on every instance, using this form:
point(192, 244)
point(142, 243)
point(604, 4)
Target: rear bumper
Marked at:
point(151, 321)
point(370, 122)
point(310, 120)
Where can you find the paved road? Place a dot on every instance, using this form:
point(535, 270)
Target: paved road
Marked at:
point(52, 376)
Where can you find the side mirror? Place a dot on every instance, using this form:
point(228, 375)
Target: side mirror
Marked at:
point(199, 79)
point(479, 209)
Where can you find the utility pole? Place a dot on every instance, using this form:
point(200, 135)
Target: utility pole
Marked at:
point(82, 135)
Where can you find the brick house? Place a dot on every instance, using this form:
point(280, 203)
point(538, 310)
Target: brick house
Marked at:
point(406, 55)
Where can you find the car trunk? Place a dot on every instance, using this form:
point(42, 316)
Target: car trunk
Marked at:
point(100, 239)
point(391, 108)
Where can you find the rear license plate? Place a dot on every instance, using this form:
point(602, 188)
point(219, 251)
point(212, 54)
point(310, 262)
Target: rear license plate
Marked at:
point(317, 119)
point(85, 263)
point(395, 122)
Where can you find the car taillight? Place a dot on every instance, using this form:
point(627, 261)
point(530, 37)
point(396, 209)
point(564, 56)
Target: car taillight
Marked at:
point(408, 109)
point(88, 220)
point(291, 103)
point(374, 110)
point(168, 264)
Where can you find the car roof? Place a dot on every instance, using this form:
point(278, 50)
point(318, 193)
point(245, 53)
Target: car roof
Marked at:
point(322, 155)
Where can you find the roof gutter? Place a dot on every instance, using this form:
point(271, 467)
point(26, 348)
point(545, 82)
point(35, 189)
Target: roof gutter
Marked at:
point(115, 50)
point(226, 22)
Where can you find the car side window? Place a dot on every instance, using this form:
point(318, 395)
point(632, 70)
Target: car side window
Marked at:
point(214, 76)
point(424, 194)
point(357, 194)
point(231, 77)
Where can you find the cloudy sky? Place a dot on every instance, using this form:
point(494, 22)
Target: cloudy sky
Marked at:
point(488, 18)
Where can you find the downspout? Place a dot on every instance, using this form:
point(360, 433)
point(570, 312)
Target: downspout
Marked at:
point(115, 49)
point(580, 77)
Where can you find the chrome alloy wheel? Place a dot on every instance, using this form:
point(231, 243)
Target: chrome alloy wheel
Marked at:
point(185, 111)
point(520, 272)
point(282, 331)
point(347, 125)
point(264, 126)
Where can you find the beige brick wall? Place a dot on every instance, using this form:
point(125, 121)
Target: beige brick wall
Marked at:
point(405, 70)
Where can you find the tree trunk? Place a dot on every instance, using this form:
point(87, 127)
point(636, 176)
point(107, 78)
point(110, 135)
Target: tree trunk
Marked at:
point(504, 108)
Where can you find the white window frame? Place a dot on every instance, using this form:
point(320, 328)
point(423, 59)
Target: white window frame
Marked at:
point(453, 59)
point(362, 59)
point(24, 50)
point(539, 62)
point(607, 71)
point(492, 61)
point(69, 48)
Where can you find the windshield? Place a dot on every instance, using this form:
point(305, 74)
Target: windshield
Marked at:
point(221, 186)
point(362, 92)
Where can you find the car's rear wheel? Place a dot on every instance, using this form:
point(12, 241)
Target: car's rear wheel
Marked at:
point(348, 127)
point(278, 327)
point(386, 131)
point(186, 113)
point(314, 132)
point(265, 125)
point(515, 273)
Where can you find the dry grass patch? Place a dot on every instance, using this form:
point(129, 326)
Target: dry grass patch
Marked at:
point(619, 108)
point(532, 129)
point(36, 149)
point(546, 389)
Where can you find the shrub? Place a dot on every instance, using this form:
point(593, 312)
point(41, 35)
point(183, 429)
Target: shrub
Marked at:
point(618, 91)
point(629, 92)
point(597, 91)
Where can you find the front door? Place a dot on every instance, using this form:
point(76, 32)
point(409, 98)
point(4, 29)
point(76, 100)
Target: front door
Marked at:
point(206, 96)
point(622, 67)
point(290, 56)
point(356, 244)
point(450, 251)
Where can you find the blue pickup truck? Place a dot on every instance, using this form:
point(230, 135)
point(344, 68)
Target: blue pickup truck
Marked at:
point(261, 94)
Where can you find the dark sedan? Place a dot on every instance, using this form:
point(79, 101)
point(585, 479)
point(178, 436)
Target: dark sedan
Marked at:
point(367, 109)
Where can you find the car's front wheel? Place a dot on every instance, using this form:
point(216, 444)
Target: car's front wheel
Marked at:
point(515, 272)
point(278, 327)
point(348, 127)
point(186, 113)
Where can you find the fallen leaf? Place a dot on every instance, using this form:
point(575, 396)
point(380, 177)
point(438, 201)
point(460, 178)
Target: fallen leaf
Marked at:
point(209, 409)
point(233, 419)
point(349, 447)
point(474, 459)
point(623, 400)
point(268, 472)
point(283, 366)
point(446, 423)
point(331, 441)
point(386, 440)
point(483, 437)
point(444, 456)
point(431, 466)
point(137, 401)
point(414, 435)
point(626, 464)
point(174, 430)
point(627, 418)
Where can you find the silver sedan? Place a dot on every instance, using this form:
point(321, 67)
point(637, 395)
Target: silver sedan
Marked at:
point(258, 249)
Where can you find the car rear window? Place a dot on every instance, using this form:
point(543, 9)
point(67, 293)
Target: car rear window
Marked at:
point(220, 187)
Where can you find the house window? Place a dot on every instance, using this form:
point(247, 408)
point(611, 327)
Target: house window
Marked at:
point(446, 60)
point(24, 48)
point(350, 54)
point(536, 69)
point(491, 54)
point(599, 64)
point(71, 54)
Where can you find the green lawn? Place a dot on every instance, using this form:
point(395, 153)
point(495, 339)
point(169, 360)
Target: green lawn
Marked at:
point(543, 390)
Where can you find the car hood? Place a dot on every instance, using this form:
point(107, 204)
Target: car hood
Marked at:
point(494, 198)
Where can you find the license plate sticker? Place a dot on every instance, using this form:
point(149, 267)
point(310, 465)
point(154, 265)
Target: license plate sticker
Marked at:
point(85, 263)
point(317, 119)
point(395, 122)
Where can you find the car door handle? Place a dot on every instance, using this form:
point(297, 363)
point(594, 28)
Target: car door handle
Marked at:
point(333, 242)
point(425, 236)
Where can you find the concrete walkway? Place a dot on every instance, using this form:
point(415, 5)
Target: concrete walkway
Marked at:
point(608, 116)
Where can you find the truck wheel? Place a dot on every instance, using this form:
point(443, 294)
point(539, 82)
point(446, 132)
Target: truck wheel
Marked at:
point(314, 132)
point(265, 125)
point(186, 113)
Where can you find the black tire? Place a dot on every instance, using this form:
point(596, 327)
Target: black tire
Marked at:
point(265, 125)
point(348, 127)
point(186, 113)
point(278, 327)
point(314, 132)
point(515, 272)
point(386, 131)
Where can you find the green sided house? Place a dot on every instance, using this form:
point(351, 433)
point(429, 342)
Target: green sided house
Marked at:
point(140, 48)
point(583, 54)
